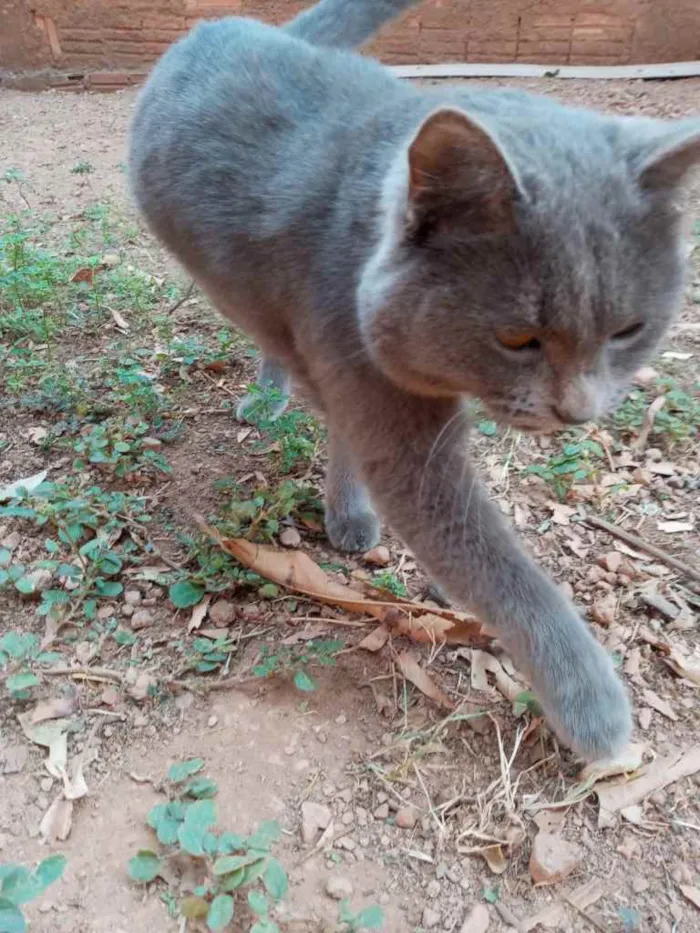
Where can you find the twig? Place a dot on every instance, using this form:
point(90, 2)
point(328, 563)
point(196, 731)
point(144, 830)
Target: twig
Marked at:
point(102, 674)
point(228, 683)
point(508, 916)
point(648, 424)
point(635, 541)
point(181, 301)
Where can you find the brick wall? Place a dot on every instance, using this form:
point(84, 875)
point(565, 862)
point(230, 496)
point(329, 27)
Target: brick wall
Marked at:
point(104, 35)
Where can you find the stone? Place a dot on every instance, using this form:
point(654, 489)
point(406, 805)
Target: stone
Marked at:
point(339, 887)
point(552, 859)
point(315, 817)
point(40, 580)
point(406, 817)
point(431, 918)
point(379, 556)
point(477, 920)
point(222, 612)
point(290, 537)
point(111, 258)
point(433, 889)
point(142, 618)
point(14, 758)
point(132, 597)
point(212, 721)
point(11, 542)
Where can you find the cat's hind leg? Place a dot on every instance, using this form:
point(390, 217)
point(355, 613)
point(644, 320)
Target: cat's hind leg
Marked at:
point(351, 522)
point(270, 396)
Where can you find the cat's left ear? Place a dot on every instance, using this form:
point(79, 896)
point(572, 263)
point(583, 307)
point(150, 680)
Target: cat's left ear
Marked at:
point(672, 159)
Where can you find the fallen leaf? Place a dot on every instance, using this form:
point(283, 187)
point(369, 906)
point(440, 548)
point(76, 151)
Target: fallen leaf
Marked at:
point(660, 773)
point(674, 528)
point(604, 609)
point(662, 468)
point(693, 894)
point(56, 707)
point(380, 556)
point(76, 787)
point(199, 613)
point(29, 483)
point(644, 715)
point(121, 323)
point(58, 820)
point(633, 815)
point(296, 571)
point(478, 674)
point(682, 666)
point(661, 706)
point(376, 639)
point(87, 274)
point(628, 761)
point(676, 355)
point(408, 664)
point(52, 734)
point(495, 859)
point(561, 514)
point(550, 821)
point(477, 920)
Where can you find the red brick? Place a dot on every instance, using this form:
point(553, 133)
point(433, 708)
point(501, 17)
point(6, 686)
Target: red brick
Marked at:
point(599, 19)
point(442, 42)
point(89, 35)
point(109, 78)
point(543, 50)
point(598, 48)
point(493, 49)
point(610, 33)
point(162, 21)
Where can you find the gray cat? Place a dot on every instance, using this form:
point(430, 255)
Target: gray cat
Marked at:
point(393, 249)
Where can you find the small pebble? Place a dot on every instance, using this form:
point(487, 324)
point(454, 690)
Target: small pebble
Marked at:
point(142, 618)
point(290, 537)
point(212, 721)
point(339, 888)
point(431, 918)
point(406, 817)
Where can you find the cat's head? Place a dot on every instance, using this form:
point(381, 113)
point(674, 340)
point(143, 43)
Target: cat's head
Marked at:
point(537, 272)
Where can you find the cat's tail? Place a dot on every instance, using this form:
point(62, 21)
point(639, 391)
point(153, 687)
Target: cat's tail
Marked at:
point(345, 23)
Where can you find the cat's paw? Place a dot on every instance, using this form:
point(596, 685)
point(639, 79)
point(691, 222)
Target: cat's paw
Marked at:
point(352, 532)
point(252, 408)
point(588, 706)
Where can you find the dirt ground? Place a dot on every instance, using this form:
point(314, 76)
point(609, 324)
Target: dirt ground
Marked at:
point(433, 816)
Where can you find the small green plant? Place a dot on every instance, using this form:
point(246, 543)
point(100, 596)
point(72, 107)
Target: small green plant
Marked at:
point(386, 580)
point(19, 885)
point(225, 863)
point(295, 433)
point(577, 463)
point(259, 515)
point(82, 522)
point(369, 918)
point(20, 653)
point(82, 168)
point(677, 421)
point(283, 659)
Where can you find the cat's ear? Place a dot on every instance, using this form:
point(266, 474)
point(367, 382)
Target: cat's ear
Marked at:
point(455, 167)
point(672, 160)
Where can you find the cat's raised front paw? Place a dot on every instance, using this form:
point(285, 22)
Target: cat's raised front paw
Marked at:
point(589, 707)
point(354, 532)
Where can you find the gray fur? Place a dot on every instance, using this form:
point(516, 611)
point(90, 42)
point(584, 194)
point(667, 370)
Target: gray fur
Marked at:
point(340, 24)
point(377, 240)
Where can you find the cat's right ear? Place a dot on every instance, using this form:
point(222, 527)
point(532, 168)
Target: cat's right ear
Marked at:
point(457, 172)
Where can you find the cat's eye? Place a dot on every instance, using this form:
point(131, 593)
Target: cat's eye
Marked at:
point(630, 331)
point(519, 341)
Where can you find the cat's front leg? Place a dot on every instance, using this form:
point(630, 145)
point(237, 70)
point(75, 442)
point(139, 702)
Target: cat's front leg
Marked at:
point(351, 522)
point(412, 454)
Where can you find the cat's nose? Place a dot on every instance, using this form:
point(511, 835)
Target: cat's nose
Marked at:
point(578, 401)
point(568, 417)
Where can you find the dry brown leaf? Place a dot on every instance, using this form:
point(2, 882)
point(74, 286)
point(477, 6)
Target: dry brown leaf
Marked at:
point(550, 821)
point(661, 706)
point(199, 613)
point(693, 894)
point(682, 666)
point(408, 664)
point(376, 639)
point(495, 859)
point(648, 423)
point(87, 274)
point(296, 571)
point(614, 797)
point(605, 609)
point(120, 321)
point(479, 679)
point(58, 820)
point(76, 787)
point(628, 761)
point(56, 707)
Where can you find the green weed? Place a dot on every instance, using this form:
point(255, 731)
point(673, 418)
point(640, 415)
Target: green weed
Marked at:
point(578, 462)
point(19, 885)
point(285, 659)
point(258, 515)
point(677, 421)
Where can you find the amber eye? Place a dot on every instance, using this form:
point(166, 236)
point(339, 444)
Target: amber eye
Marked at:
point(628, 332)
point(523, 341)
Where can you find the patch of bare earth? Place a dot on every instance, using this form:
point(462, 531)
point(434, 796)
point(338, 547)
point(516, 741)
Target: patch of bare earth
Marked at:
point(440, 816)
